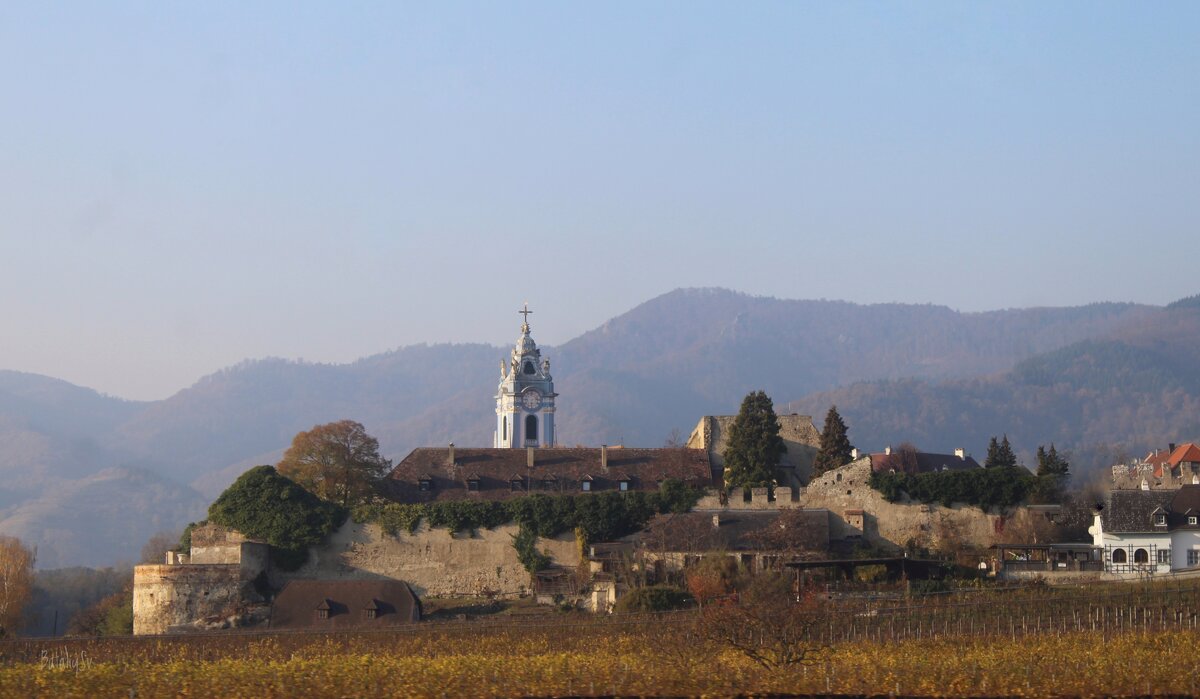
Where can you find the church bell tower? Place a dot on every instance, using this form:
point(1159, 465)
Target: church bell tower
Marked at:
point(525, 399)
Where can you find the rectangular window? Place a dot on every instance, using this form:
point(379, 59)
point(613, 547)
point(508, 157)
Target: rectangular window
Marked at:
point(515, 485)
point(1160, 520)
point(426, 485)
point(472, 484)
point(624, 485)
point(1164, 556)
point(586, 486)
point(1193, 558)
point(1192, 519)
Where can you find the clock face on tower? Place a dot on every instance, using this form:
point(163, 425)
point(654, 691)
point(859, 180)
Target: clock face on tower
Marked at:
point(532, 400)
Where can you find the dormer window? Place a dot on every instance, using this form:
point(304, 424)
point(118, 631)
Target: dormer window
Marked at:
point(425, 484)
point(548, 484)
point(1192, 519)
point(516, 485)
point(473, 484)
point(586, 484)
point(371, 610)
point(323, 609)
point(624, 484)
point(1160, 519)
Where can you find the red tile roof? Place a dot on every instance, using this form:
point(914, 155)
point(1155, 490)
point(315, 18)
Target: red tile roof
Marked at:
point(554, 470)
point(1185, 453)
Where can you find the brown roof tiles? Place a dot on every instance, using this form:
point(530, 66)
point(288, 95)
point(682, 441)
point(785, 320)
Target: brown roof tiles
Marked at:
point(554, 470)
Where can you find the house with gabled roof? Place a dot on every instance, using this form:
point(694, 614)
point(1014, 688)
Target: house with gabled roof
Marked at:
point(1146, 532)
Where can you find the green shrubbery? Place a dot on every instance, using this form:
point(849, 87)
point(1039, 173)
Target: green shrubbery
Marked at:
point(599, 516)
point(656, 598)
point(999, 487)
point(265, 505)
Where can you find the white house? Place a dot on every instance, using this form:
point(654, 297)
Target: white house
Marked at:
point(1149, 531)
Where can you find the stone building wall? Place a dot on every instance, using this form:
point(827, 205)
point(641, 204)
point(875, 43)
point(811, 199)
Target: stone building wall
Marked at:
point(169, 597)
point(799, 435)
point(433, 562)
point(883, 522)
point(215, 582)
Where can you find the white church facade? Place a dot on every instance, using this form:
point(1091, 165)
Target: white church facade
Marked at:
point(525, 397)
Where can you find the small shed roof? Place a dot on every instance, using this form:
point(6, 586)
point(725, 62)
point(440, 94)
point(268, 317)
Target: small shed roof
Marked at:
point(345, 603)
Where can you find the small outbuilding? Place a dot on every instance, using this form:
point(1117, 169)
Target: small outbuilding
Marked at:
point(344, 604)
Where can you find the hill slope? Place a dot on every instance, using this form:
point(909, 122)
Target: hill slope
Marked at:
point(1105, 399)
point(632, 380)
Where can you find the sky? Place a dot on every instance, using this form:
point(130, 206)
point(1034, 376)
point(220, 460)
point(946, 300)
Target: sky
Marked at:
point(187, 185)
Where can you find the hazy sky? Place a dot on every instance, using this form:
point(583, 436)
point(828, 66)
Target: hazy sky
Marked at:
point(184, 185)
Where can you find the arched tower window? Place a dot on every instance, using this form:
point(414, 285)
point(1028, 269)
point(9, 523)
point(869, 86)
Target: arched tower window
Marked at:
point(531, 428)
point(504, 427)
point(529, 368)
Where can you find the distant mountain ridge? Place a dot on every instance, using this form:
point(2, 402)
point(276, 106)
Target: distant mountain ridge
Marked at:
point(658, 367)
point(1105, 399)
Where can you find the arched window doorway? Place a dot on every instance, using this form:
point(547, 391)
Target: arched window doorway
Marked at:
point(1140, 556)
point(529, 368)
point(504, 428)
point(531, 429)
point(1119, 555)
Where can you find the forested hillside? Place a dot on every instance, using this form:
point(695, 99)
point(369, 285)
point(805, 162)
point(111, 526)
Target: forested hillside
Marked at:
point(632, 380)
point(1103, 399)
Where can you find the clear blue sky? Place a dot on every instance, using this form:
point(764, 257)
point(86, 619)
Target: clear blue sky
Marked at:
point(186, 185)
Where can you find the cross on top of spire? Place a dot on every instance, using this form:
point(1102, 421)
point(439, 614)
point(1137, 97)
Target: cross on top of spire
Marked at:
point(525, 312)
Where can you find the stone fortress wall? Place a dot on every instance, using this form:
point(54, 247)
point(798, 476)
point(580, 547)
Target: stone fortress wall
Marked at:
point(214, 584)
point(434, 562)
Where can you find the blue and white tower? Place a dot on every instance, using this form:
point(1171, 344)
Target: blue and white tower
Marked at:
point(525, 400)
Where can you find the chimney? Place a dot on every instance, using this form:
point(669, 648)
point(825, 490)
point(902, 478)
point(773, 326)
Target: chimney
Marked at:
point(1171, 448)
point(960, 454)
point(887, 451)
point(450, 456)
point(716, 521)
point(854, 454)
point(604, 457)
point(529, 457)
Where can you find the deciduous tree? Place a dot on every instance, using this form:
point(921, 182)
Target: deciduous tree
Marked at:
point(16, 583)
point(338, 462)
point(754, 447)
point(836, 450)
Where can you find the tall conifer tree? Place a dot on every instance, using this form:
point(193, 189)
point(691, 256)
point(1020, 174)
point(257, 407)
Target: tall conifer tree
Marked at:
point(835, 444)
point(754, 447)
point(1000, 454)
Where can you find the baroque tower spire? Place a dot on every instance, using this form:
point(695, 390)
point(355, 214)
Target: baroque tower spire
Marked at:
point(525, 397)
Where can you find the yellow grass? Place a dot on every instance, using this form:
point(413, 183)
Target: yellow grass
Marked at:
point(641, 661)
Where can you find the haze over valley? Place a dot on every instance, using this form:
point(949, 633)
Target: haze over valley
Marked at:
point(89, 477)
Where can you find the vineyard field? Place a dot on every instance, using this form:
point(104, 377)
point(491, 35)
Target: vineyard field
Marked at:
point(1140, 645)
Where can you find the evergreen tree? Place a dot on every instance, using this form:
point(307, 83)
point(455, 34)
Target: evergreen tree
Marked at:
point(1052, 473)
point(1000, 454)
point(1007, 457)
point(835, 445)
point(755, 446)
point(993, 453)
point(1050, 463)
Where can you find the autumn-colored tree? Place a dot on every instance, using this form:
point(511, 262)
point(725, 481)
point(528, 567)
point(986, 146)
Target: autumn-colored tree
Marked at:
point(16, 583)
point(338, 462)
point(111, 616)
point(714, 576)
